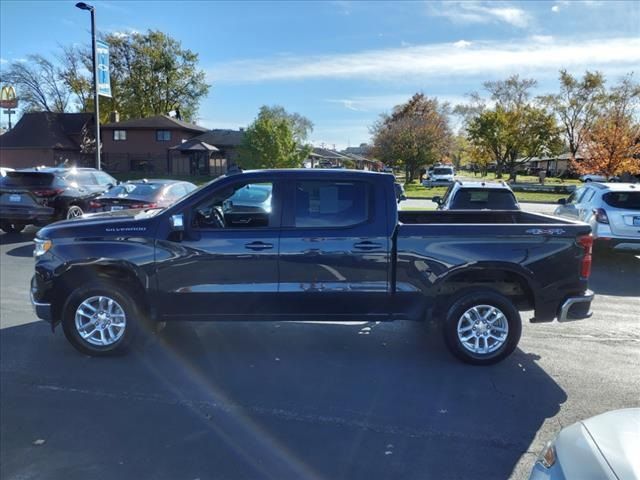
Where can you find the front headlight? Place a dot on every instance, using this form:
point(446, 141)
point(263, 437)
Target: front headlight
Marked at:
point(41, 247)
point(547, 457)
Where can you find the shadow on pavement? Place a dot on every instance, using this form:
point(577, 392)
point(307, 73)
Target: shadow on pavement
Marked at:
point(615, 274)
point(23, 251)
point(267, 400)
point(11, 238)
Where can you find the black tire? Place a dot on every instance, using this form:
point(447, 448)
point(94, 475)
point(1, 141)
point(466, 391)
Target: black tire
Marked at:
point(461, 304)
point(12, 227)
point(133, 318)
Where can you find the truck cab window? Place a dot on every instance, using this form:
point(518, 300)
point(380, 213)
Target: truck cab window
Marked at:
point(246, 205)
point(331, 203)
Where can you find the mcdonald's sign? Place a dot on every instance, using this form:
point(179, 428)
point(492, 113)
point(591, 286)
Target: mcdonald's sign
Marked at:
point(8, 97)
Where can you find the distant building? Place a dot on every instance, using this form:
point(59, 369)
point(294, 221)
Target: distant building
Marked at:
point(209, 153)
point(556, 165)
point(363, 150)
point(324, 158)
point(144, 144)
point(47, 138)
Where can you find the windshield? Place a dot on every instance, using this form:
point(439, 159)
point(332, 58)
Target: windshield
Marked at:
point(138, 190)
point(477, 199)
point(443, 171)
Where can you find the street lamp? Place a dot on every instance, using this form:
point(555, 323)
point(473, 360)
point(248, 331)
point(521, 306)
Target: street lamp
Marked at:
point(85, 6)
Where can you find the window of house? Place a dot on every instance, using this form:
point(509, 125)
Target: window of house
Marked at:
point(119, 135)
point(321, 203)
point(163, 135)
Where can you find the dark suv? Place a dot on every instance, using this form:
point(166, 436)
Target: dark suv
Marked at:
point(43, 195)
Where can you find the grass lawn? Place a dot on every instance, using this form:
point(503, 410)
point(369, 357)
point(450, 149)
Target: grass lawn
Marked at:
point(491, 177)
point(415, 190)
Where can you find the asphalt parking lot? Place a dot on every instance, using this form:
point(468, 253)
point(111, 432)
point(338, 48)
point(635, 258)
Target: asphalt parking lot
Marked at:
point(303, 400)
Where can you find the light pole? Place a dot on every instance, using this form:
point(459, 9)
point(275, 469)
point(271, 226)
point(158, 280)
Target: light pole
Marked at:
point(96, 106)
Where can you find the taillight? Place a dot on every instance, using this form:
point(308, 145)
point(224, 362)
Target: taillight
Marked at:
point(600, 215)
point(48, 192)
point(94, 204)
point(586, 242)
point(144, 205)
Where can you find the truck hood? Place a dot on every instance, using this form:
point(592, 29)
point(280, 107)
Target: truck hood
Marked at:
point(98, 224)
point(617, 435)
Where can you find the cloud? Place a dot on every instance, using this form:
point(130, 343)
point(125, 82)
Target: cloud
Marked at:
point(3, 61)
point(378, 103)
point(462, 44)
point(555, 8)
point(127, 32)
point(541, 38)
point(481, 12)
point(438, 60)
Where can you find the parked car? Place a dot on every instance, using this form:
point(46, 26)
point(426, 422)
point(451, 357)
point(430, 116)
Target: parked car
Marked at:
point(400, 194)
point(612, 210)
point(477, 196)
point(439, 175)
point(154, 193)
point(332, 245)
point(40, 196)
point(605, 447)
point(594, 177)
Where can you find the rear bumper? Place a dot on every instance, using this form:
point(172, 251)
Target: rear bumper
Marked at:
point(618, 244)
point(576, 307)
point(27, 215)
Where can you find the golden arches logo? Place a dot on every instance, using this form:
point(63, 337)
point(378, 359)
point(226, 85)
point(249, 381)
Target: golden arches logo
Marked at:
point(8, 97)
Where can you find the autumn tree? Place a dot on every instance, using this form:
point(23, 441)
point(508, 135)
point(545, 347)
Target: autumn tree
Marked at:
point(415, 134)
point(515, 129)
point(577, 106)
point(276, 140)
point(613, 141)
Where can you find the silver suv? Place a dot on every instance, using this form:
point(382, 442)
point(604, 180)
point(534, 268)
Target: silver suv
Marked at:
point(612, 210)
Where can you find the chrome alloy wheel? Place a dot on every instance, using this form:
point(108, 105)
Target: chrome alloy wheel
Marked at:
point(483, 329)
point(101, 321)
point(74, 212)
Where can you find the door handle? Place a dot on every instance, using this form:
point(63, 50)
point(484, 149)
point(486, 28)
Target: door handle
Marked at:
point(258, 246)
point(367, 245)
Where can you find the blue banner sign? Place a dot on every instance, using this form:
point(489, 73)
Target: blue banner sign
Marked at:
point(102, 64)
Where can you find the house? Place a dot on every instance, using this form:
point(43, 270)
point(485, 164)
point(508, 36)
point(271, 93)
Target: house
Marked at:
point(144, 144)
point(209, 153)
point(556, 165)
point(48, 138)
point(325, 158)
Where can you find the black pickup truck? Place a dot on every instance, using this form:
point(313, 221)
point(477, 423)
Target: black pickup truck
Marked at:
point(315, 245)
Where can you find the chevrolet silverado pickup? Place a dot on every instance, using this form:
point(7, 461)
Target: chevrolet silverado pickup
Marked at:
point(310, 244)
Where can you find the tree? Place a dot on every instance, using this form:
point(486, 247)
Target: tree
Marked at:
point(416, 134)
point(272, 141)
point(515, 129)
point(39, 85)
point(613, 141)
point(75, 72)
point(577, 106)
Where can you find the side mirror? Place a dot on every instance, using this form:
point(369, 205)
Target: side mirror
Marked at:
point(403, 197)
point(562, 201)
point(177, 223)
point(437, 199)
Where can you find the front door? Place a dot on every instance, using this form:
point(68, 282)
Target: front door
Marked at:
point(226, 264)
point(334, 251)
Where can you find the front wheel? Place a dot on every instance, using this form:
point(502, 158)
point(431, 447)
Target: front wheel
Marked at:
point(482, 327)
point(100, 319)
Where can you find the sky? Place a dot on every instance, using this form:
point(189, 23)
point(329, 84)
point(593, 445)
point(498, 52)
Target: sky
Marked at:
point(343, 63)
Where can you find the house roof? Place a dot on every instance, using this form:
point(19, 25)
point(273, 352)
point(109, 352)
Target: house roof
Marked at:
point(46, 130)
point(157, 122)
point(195, 145)
point(222, 137)
point(326, 153)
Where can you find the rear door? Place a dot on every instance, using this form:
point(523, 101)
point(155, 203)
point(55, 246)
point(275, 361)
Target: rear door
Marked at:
point(570, 209)
point(334, 250)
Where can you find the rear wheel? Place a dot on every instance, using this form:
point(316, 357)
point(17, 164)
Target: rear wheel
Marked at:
point(12, 227)
point(482, 327)
point(100, 319)
point(74, 211)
